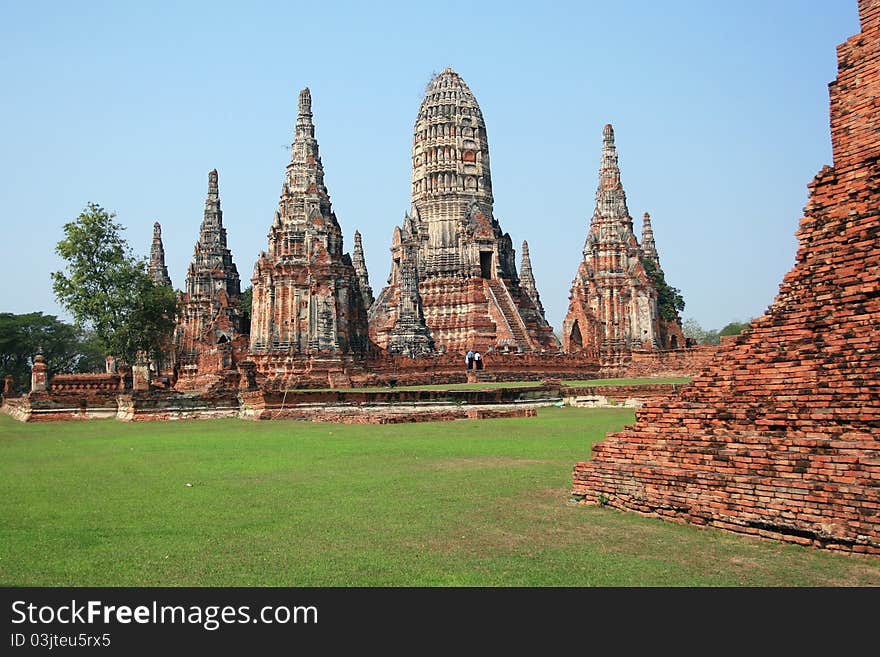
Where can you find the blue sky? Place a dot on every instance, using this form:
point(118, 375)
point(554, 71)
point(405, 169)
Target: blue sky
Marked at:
point(720, 112)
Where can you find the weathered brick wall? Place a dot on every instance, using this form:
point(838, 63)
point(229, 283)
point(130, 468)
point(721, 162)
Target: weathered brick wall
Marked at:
point(51, 406)
point(643, 393)
point(675, 362)
point(780, 435)
point(170, 405)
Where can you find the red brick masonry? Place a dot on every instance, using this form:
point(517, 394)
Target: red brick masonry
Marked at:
point(780, 435)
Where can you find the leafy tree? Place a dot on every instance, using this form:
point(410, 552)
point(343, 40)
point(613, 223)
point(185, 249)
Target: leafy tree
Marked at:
point(108, 290)
point(692, 330)
point(734, 328)
point(669, 300)
point(65, 347)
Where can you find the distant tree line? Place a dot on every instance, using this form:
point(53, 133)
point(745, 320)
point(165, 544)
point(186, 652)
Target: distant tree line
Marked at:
point(66, 348)
point(698, 335)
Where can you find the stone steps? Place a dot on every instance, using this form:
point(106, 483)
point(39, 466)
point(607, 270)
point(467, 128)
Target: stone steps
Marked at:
point(502, 299)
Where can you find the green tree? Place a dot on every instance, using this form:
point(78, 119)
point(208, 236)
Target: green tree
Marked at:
point(66, 348)
point(734, 328)
point(245, 301)
point(692, 330)
point(669, 300)
point(108, 290)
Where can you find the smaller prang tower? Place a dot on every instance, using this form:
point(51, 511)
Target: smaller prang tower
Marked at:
point(209, 313)
point(307, 296)
point(156, 268)
point(360, 268)
point(613, 300)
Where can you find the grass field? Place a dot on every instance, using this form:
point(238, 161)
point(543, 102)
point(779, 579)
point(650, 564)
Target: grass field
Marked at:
point(294, 504)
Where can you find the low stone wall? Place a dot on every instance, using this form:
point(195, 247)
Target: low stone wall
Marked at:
point(46, 407)
point(387, 415)
point(151, 406)
point(674, 362)
point(258, 404)
point(632, 396)
point(16, 407)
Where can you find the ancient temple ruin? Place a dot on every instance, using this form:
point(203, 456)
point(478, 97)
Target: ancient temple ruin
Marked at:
point(613, 303)
point(453, 283)
point(156, 267)
point(306, 292)
point(209, 314)
point(780, 434)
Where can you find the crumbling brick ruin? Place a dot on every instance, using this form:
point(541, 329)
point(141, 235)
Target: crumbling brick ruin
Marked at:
point(613, 304)
point(453, 283)
point(307, 296)
point(780, 435)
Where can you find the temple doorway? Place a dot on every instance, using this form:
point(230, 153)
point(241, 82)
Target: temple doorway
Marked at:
point(486, 264)
point(575, 339)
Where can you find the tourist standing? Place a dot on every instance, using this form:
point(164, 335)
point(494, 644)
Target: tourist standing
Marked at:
point(469, 359)
point(478, 359)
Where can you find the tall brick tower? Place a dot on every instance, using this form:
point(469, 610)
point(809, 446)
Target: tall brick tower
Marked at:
point(209, 314)
point(464, 264)
point(306, 293)
point(613, 299)
point(156, 268)
point(779, 436)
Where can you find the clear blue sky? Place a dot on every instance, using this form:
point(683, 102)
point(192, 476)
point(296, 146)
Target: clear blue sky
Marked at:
point(720, 111)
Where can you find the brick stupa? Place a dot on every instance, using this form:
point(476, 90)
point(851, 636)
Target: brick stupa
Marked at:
point(780, 435)
point(453, 283)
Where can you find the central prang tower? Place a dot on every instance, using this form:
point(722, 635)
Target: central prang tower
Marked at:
point(453, 282)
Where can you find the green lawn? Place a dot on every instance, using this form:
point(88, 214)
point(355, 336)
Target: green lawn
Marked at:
point(289, 503)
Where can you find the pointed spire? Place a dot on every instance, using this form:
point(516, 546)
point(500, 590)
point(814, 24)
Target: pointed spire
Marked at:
point(156, 268)
point(525, 270)
point(305, 127)
point(212, 260)
point(610, 197)
point(212, 231)
point(305, 103)
point(305, 173)
point(360, 268)
point(649, 248)
point(213, 184)
point(527, 278)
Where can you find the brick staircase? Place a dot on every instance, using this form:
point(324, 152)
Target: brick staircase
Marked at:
point(499, 294)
